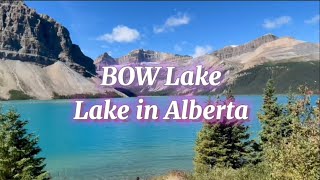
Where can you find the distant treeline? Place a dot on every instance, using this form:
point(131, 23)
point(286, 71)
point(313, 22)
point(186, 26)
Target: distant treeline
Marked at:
point(285, 75)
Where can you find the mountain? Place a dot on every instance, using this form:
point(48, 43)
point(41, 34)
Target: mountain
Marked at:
point(246, 68)
point(233, 51)
point(104, 60)
point(32, 37)
point(282, 49)
point(38, 59)
point(285, 75)
point(141, 55)
point(288, 61)
point(138, 56)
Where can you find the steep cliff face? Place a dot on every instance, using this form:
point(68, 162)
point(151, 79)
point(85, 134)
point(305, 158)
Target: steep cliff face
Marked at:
point(231, 51)
point(28, 36)
point(38, 59)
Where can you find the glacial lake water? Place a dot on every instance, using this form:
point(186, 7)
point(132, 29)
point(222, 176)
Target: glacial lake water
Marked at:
point(116, 150)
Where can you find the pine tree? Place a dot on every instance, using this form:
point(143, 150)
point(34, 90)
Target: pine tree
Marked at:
point(253, 149)
point(223, 144)
point(220, 144)
point(273, 122)
point(19, 150)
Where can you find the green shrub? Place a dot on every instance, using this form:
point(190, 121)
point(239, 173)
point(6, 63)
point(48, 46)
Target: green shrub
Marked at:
point(297, 157)
point(18, 95)
point(251, 172)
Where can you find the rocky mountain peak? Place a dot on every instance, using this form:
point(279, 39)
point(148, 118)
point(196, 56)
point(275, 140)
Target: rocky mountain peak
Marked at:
point(104, 60)
point(28, 36)
point(231, 51)
point(103, 57)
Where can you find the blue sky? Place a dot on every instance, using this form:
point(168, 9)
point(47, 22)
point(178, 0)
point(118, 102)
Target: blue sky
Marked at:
point(188, 28)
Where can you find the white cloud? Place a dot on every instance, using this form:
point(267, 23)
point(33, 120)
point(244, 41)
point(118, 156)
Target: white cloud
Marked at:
point(201, 50)
point(104, 46)
point(177, 48)
point(177, 20)
point(180, 46)
point(314, 20)
point(121, 34)
point(172, 22)
point(277, 22)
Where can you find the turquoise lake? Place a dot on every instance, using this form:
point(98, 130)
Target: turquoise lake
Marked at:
point(115, 150)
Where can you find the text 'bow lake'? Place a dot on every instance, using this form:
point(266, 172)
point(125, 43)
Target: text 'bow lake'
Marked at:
point(126, 75)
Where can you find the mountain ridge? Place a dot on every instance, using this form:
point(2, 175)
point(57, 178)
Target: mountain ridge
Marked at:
point(39, 60)
point(228, 52)
point(231, 51)
point(232, 61)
